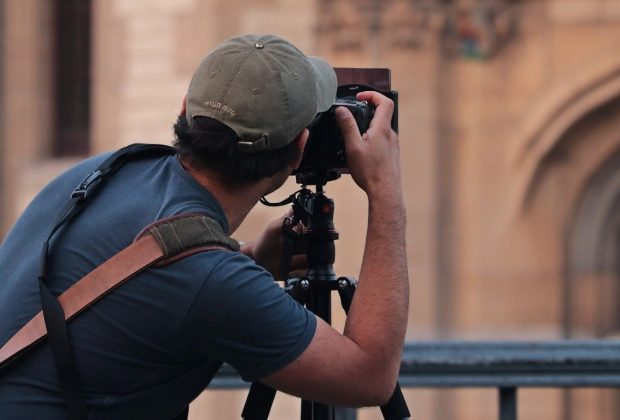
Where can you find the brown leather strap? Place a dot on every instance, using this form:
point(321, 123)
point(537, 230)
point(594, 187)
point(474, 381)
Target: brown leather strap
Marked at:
point(161, 243)
point(112, 273)
point(103, 279)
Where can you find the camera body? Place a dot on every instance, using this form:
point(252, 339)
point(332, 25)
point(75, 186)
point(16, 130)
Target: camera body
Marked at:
point(325, 156)
point(325, 146)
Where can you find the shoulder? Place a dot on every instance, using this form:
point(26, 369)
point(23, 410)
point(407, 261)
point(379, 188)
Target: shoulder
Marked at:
point(241, 316)
point(229, 283)
point(224, 268)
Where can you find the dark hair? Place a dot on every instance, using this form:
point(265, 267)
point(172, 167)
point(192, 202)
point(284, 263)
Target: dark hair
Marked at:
point(212, 145)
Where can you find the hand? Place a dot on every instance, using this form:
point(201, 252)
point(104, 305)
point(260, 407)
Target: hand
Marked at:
point(268, 249)
point(373, 158)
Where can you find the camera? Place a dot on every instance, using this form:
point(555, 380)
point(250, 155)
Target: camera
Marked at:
point(325, 147)
point(324, 156)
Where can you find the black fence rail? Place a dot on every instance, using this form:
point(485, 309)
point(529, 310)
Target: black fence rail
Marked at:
point(506, 366)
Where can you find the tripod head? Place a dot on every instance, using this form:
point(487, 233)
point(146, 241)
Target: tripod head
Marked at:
point(316, 212)
point(317, 177)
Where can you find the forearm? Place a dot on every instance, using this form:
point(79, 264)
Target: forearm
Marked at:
point(377, 319)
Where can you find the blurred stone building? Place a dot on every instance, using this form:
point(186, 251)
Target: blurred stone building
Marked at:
point(509, 130)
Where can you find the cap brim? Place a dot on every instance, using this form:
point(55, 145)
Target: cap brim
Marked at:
point(326, 83)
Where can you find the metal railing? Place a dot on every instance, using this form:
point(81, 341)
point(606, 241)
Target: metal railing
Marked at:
point(506, 366)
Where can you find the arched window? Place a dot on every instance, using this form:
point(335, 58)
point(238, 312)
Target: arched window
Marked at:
point(72, 20)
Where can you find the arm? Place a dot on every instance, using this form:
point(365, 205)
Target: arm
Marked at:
point(360, 366)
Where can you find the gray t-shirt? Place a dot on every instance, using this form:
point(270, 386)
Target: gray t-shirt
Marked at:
point(151, 346)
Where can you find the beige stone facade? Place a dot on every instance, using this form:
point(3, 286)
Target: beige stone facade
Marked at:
point(510, 138)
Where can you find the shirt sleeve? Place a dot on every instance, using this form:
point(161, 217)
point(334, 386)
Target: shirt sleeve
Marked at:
point(241, 316)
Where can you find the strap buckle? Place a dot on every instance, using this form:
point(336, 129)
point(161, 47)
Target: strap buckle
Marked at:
point(88, 184)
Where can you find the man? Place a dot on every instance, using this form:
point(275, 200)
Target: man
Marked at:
point(151, 346)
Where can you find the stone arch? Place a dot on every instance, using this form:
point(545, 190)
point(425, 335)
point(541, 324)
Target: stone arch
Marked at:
point(592, 261)
point(591, 279)
point(573, 153)
point(556, 112)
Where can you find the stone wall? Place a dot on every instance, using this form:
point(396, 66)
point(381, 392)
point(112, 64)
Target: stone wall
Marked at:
point(508, 130)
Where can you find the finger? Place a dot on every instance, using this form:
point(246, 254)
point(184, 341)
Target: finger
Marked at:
point(375, 98)
point(384, 106)
point(286, 217)
point(348, 127)
point(277, 223)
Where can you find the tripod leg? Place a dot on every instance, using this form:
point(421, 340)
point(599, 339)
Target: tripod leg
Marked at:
point(258, 403)
point(396, 407)
point(306, 410)
point(346, 290)
point(345, 413)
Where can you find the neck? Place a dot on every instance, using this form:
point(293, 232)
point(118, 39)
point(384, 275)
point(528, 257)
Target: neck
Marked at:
point(236, 201)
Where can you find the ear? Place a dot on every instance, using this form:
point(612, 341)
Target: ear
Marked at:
point(300, 141)
point(183, 107)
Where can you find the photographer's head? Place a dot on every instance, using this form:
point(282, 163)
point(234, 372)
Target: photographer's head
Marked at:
point(210, 145)
point(247, 103)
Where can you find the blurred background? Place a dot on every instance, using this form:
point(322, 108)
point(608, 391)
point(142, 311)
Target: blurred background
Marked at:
point(509, 130)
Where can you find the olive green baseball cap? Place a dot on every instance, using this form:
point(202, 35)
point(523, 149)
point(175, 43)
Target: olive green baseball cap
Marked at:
point(263, 88)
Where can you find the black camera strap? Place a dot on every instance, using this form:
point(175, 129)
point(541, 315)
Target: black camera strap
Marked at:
point(53, 314)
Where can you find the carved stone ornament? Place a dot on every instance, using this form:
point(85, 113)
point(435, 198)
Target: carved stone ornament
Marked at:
point(475, 30)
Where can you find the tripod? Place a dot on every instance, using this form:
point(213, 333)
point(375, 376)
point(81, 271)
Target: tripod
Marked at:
point(316, 212)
